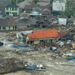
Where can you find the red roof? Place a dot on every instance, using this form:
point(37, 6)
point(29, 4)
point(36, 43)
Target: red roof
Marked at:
point(62, 34)
point(38, 34)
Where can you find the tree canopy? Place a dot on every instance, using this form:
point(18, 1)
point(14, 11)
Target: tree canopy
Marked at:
point(35, 1)
point(51, 1)
point(67, 13)
point(16, 1)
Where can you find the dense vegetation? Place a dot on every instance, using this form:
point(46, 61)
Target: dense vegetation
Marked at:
point(35, 1)
point(51, 1)
point(69, 11)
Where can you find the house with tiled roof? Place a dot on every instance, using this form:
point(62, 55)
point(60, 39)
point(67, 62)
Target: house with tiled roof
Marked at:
point(71, 21)
point(30, 7)
point(22, 4)
point(42, 3)
point(63, 35)
point(5, 2)
point(62, 19)
point(42, 36)
point(46, 12)
point(24, 22)
point(52, 19)
point(7, 24)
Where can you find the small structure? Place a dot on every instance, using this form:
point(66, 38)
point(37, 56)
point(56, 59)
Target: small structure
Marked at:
point(72, 19)
point(62, 34)
point(36, 11)
point(12, 9)
point(70, 22)
point(52, 19)
point(23, 34)
point(62, 19)
point(42, 36)
point(65, 35)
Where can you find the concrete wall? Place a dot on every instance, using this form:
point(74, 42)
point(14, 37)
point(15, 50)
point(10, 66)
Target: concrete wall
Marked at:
point(7, 28)
point(46, 40)
point(62, 21)
point(12, 11)
point(74, 23)
point(21, 27)
point(57, 6)
point(37, 42)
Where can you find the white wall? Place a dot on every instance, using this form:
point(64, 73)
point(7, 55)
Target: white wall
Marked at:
point(57, 6)
point(62, 21)
point(74, 23)
point(54, 22)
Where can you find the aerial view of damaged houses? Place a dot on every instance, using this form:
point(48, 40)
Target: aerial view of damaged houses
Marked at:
point(37, 37)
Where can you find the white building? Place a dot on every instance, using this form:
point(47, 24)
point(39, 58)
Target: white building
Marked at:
point(62, 19)
point(59, 5)
point(36, 11)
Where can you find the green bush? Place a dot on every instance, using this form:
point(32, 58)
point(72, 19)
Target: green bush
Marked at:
point(38, 4)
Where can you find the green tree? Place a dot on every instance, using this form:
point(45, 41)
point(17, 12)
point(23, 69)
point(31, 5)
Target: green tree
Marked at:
point(69, 4)
point(13, 1)
point(73, 12)
point(51, 1)
point(38, 4)
point(67, 13)
point(16, 1)
point(35, 1)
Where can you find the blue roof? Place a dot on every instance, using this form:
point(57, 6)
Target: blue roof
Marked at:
point(12, 6)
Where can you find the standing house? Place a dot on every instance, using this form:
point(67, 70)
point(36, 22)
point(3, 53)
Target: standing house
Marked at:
point(24, 22)
point(46, 12)
point(22, 4)
point(62, 19)
point(70, 22)
point(42, 36)
point(5, 2)
point(43, 3)
point(29, 8)
point(12, 10)
point(73, 20)
point(7, 24)
point(52, 19)
point(59, 5)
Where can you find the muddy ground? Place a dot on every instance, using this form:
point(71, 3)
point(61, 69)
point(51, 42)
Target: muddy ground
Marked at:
point(58, 66)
